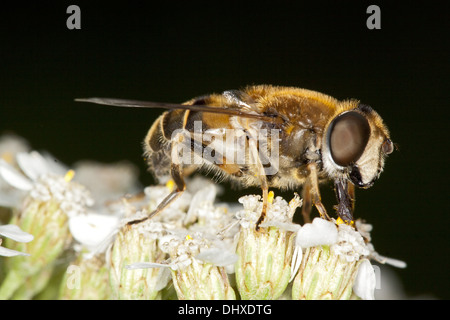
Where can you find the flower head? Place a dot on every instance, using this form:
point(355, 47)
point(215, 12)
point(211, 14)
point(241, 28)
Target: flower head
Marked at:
point(50, 200)
point(189, 250)
point(330, 261)
point(198, 267)
point(263, 269)
point(197, 254)
point(131, 246)
point(335, 261)
point(43, 180)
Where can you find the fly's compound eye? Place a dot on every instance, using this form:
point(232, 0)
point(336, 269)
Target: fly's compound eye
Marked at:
point(348, 137)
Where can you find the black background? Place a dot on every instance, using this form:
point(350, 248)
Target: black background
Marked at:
point(173, 52)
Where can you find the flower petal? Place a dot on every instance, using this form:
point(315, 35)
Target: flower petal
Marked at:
point(11, 199)
point(5, 252)
point(15, 233)
point(91, 229)
point(286, 226)
point(396, 263)
point(365, 281)
point(164, 277)
point(146, 265)
point(54, 165)
point(319, 232)
point(32, 164)
point(391, 261)
point(14, 177)
point(217, 256)
point(296, 262)
point(164, 274)
point(202, 198)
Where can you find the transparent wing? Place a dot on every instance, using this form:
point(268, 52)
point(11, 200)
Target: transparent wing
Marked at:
point(162, 105)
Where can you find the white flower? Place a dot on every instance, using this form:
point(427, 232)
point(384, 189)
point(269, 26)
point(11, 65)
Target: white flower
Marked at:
point(196, 264)
point(331, 248)
point(13, 232)
point(279, 212)
point(319, 232)
point(215, 222)
point(343, 239)
point(43, 180)
point(350, 244)
point(188, 236)
point(184, 249)
point(263, 268)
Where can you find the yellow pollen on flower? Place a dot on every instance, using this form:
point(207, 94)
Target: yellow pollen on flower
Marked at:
point(170, 184)
point(188, 237)
point(340, 221)
point(69, 175)
point(8, 157)
point(270, 196)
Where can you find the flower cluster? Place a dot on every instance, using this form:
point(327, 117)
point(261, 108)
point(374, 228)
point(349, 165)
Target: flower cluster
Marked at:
point(70, 235)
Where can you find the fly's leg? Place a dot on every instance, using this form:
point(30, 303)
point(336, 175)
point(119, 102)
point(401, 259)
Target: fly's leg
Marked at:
point(180, 186)
point(351, 193)
point(311, 195)
point(176, 172)
point(307, 202)
point(255, 158)
point(265, 191)
point(345, 195)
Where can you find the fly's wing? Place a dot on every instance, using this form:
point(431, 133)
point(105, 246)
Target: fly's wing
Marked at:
point(240, 112)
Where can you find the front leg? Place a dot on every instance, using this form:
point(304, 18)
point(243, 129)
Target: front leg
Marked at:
point(311, 195)
point(346, 199)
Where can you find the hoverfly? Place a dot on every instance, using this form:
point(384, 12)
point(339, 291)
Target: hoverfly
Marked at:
point(316, 137)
